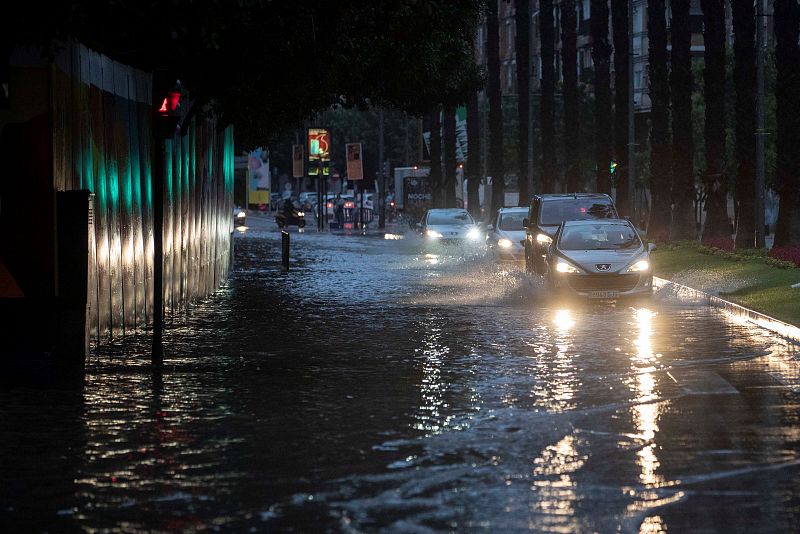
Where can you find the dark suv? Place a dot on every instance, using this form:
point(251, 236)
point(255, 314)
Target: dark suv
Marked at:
point(547, 212)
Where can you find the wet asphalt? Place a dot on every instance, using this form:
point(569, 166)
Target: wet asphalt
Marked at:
point(383, 385)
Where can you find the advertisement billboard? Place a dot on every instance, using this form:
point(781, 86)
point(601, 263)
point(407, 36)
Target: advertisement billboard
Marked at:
point(355, 168)
point(319, 145)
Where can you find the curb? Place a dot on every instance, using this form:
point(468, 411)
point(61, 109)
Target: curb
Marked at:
point(787, 331)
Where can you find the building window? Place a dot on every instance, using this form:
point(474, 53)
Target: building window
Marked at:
point(587, 10)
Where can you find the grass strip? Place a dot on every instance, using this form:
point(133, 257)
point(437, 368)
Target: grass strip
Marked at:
point(748, 278)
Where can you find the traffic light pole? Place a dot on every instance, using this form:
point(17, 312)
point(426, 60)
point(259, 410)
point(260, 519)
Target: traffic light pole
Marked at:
point(760, 132)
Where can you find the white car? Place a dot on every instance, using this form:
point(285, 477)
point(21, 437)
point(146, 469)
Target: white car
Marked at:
point(451, 226)
point(507, 234)
point(602, 259)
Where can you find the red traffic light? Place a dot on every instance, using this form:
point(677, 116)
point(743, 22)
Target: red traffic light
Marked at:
point(170, 103)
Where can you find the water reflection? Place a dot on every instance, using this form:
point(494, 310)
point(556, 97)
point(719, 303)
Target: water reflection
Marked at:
point(645, 412)
point(556, 379)
point(556, 495)
point(432, 387)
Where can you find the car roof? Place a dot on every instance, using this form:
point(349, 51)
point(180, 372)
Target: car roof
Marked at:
point(565, 196)
point(595, 222)
point(449, 210)
point(514, 209)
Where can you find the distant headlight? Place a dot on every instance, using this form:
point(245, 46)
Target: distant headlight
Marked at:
point(564, 267)
point(474, 233)
point(544, 239)
point(433, 233)
point(504, 243)
point(240, 214)
point(301, 214)
point(639, 266)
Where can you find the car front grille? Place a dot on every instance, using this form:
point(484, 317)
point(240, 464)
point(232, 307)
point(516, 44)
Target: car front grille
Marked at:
point(603, 282)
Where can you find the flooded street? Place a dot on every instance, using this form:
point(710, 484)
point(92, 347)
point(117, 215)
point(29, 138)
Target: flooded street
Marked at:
point(382, 386)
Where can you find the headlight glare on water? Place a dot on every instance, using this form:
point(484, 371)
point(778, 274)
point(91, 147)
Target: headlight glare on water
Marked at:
point(504, 243)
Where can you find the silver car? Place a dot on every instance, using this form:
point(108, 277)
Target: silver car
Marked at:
point(507, 234)
point(601, 259)
point(451, 226)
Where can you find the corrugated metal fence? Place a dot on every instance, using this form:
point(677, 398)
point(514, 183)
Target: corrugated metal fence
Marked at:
point(103, 142)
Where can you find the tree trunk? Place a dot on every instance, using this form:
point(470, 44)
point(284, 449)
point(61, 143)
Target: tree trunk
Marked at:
point(473, 171)
point(601, 56)
point(715, 181)
point(522, 43)
point(449, 138)
point(496, 170)
point(744, 79)
point(436, 160)
point(619, 23)
point(683, 191)
point(660, 169)
point(787, 87)
point(547, 37)
point(569, 63)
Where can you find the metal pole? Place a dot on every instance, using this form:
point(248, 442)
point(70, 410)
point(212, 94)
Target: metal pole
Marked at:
point(285, 251)
point(760, 133)
point(631, 117)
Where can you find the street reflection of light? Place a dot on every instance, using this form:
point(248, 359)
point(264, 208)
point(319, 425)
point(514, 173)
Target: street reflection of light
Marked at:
point(432, 259)
point(393, 237)
point(564, 320)
point(646, 412)
point(554, 488)
point(242, 228)
point(432, 387)
point(653, 525)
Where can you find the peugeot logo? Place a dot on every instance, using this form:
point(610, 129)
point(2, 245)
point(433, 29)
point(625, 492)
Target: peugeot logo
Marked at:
point(603, 266)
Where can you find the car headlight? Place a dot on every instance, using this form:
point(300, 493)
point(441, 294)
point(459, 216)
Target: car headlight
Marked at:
point(639, 266)
point(504, 243)
point(240, 215)
point(433, 233)
point(564, 267)
point(544, 239)
point(301, 214)
point(474, 233)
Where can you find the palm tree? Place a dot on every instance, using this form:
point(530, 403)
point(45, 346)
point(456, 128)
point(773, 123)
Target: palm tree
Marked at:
point(449, 138)
point(715, 181)
point(436, 159)
point(680, 81)
point(787, 87)
point(496, 169)
point(619, 23)
point(660, 171)
point(601, 56)
point(744, 79)
point(569, 62)
point(547, 41)
point(522, 43)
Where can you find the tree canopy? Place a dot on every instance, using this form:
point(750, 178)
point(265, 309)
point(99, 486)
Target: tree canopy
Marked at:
point(270, 64)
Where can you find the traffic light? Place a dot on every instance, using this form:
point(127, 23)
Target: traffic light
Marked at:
point(612, 168)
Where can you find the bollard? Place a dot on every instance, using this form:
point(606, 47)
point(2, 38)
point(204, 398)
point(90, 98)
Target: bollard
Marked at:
point(285, 249)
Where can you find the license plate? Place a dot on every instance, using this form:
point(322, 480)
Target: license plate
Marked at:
point(604, 294)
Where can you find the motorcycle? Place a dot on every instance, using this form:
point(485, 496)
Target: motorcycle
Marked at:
point(297, 218)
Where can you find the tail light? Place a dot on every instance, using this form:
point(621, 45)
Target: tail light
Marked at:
point(329, 205)
point(391, 204)
point(349, 205)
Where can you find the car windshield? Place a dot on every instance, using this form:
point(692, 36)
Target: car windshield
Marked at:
point(557, 211)
point(453, 217)
point(512, 220)
point(599, 237)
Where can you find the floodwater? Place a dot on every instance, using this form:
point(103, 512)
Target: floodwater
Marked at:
point(382, 386)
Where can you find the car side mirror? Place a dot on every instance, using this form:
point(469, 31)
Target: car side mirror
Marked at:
point(419, 225)
point(526, 222)
point(651, 247)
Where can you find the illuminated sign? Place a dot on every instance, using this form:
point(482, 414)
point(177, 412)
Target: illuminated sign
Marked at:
point(319, 145)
